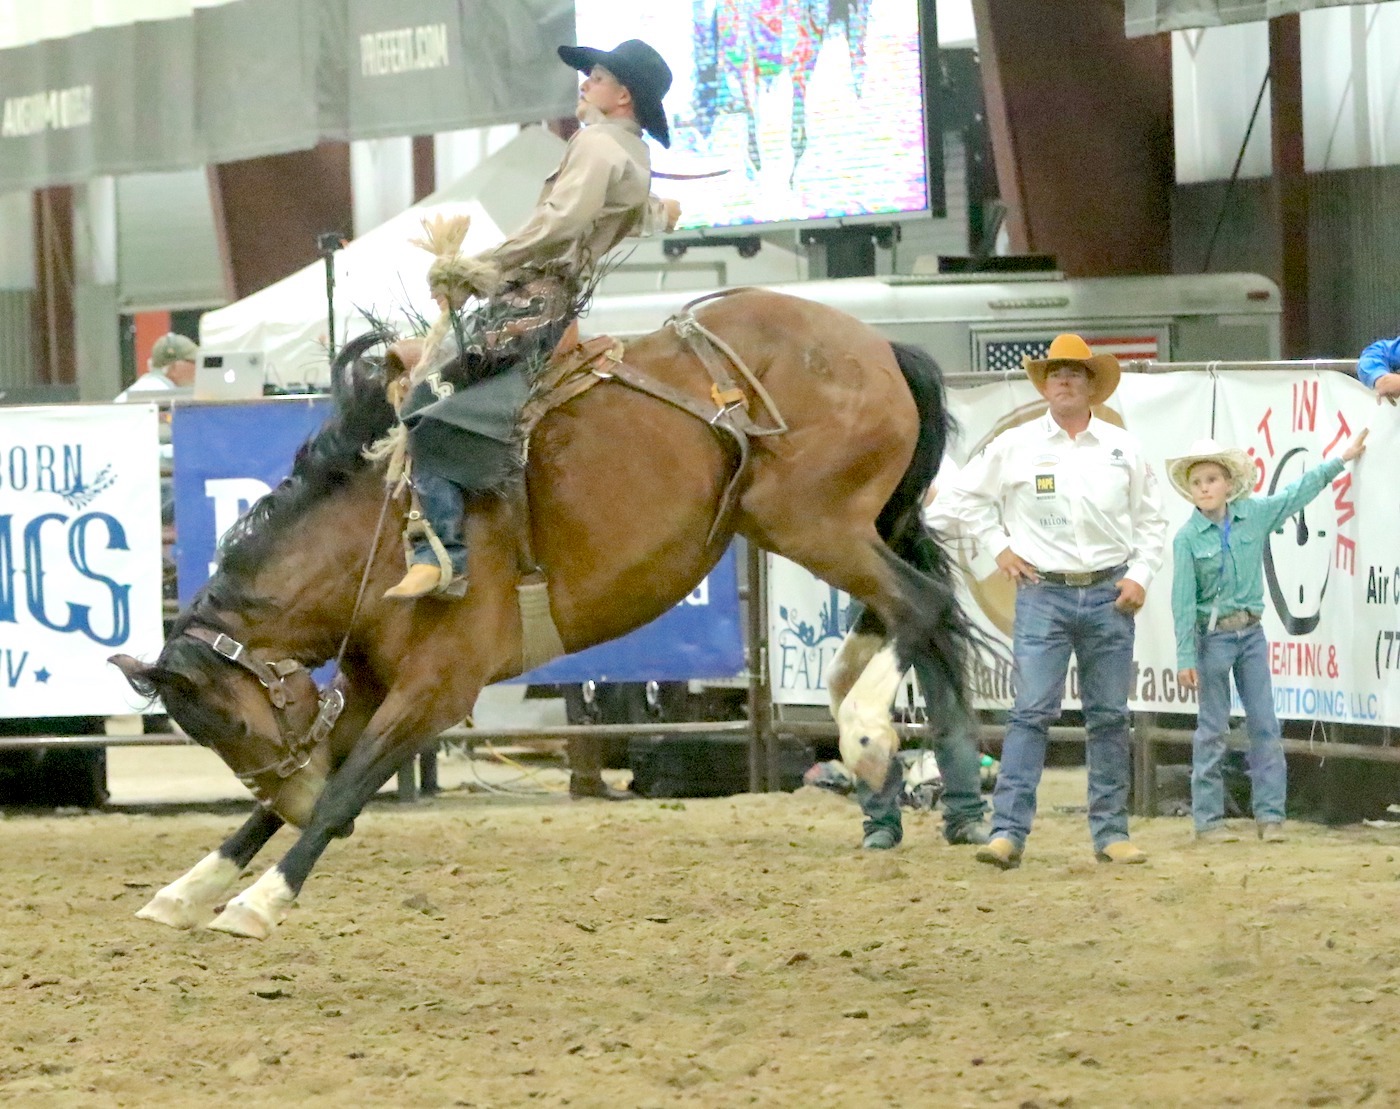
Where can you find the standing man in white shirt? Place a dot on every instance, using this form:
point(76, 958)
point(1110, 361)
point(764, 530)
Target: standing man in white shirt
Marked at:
point(1072, 507)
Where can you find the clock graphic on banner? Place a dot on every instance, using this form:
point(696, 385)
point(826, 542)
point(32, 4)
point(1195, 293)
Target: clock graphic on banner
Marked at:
point(1300, 553)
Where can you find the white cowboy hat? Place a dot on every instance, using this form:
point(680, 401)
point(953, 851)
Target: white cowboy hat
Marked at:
point(1103, 369)
point(1232, 460)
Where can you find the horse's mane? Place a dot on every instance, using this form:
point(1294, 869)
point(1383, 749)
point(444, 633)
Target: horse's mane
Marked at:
point(326, 462)
point(335, 455)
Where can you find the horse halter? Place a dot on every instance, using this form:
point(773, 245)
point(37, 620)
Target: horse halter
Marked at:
point(272, 677)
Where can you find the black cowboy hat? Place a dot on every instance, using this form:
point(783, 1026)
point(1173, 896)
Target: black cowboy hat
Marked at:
point(640, 69)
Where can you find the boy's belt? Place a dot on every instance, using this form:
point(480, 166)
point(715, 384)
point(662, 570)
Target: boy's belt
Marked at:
point(1080, 580)
point(1234, 621)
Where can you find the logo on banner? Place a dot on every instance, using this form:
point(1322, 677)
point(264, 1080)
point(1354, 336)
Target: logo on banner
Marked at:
point(58, 552)
point(79, 555)
point(1300, 556)
point(807, 641)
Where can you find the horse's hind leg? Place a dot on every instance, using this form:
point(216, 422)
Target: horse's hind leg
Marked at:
point(921, 623)
point(865, 677)
point(864, 639)
point(192, 899)
point(867, 737)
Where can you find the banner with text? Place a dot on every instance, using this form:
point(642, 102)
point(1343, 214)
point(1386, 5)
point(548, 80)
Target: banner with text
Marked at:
point(79, 556)
point(229, 455)
point(702, 637)
point(183, 84)
point(1330, 606)
point(226, 457)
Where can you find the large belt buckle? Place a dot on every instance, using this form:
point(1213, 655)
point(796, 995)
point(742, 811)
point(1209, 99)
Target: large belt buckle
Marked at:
point(1079, 580)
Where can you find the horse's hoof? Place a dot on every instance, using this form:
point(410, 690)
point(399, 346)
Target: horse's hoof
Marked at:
point(242, 920)
point(175, 913)
point(871, 768)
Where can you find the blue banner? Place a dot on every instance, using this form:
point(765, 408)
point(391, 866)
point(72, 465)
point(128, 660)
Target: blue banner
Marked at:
point(226, 456)
point(229, 455)
point(700, 638)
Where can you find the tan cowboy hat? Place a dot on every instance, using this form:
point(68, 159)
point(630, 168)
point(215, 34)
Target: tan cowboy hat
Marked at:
point(1232, 460)
point(1103, 368)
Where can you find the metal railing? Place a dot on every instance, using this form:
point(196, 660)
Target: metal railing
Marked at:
point(766, 734)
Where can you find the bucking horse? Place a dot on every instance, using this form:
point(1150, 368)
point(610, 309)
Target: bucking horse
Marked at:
point(754, 413)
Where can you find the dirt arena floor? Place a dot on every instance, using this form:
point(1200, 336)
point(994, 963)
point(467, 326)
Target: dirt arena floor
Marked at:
point(482, 950)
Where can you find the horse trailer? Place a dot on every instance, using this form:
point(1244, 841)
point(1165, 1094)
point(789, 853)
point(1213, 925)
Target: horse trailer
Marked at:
point(964, 321)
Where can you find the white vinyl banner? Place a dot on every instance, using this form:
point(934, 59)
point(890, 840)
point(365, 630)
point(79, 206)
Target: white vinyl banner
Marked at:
point(1330, 606)
point(80, 560)
point(1332, 573)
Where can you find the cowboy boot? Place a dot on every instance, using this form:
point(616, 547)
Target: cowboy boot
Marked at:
point(586, 772)
point(442, 505)
point(586, 787)
point(422, 578)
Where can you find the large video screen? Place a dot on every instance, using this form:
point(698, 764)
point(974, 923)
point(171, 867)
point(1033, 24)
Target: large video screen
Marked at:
point(806, 109)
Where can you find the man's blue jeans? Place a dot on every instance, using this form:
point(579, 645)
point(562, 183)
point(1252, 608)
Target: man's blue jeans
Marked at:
point(1246, 654)
point(1052, 621)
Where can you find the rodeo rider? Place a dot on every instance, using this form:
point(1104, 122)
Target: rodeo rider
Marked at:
point(534, 283)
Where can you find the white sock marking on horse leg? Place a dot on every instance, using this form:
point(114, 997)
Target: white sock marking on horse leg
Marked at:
point(868, 739)
point(257, 910)
point(854, 655)
point(191, 899)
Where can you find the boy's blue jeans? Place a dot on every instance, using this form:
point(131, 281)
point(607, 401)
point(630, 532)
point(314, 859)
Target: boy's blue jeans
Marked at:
point(1052, 621)
point(1245, 653)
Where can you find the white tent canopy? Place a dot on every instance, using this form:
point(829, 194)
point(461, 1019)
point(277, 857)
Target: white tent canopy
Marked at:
point(380, 273)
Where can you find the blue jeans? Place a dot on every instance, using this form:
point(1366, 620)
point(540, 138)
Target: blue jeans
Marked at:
point(959, 766)
point(1052, 621)
point(442, 501)
point(1246, 653)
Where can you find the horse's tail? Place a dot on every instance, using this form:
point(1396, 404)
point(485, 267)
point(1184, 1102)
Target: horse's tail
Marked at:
point(935, 636)
point(899, 523)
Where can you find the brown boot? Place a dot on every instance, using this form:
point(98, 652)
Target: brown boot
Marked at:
point(1000, 852)
point(582, 787)
point(1123, 853)
point(420, 580)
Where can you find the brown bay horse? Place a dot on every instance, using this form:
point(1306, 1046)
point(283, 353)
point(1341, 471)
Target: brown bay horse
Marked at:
point(623, 491)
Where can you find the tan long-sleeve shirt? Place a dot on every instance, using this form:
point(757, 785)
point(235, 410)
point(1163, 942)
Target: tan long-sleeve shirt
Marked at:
point(598, 196)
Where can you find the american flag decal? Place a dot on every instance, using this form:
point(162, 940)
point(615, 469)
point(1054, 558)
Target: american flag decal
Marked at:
point(1004, 355)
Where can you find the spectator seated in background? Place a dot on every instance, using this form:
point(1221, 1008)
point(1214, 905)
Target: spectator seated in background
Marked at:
point(169, 374)
point(1379, 369)
point(170, 370)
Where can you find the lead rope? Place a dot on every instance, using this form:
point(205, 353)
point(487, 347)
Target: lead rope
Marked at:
point(364, 577)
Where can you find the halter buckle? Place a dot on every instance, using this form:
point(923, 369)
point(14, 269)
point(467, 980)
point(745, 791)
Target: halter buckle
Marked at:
point(227, 646)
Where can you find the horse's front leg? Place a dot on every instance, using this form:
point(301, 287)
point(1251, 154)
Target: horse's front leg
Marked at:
point(393, 737)
point(193, 898)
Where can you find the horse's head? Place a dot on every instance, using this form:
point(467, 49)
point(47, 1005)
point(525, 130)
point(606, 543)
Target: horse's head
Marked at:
point(265, 717)
point(258, 709)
